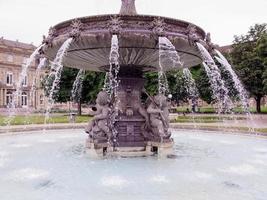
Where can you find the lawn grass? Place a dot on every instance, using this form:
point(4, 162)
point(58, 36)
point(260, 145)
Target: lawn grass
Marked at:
point(262, 131)
point(36, 119)
point(204, 119)
point(210, 109)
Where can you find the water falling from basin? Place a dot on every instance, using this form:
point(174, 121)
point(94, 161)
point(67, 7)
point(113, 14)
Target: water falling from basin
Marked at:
point(34, 85)
point(168, 57)
point(77, 86)
point(19, 85)
point(113, 83)
point(220, 92)
point(241, 92)
point(190, 85)
point(55, 75)
point(237, 84)
point(41, 65)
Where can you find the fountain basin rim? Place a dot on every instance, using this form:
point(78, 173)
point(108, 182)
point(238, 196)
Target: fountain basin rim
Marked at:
point(96, 18)
point(57, 127)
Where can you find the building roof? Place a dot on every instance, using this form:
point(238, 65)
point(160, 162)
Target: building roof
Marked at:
point(16, 44)
point(226, 49)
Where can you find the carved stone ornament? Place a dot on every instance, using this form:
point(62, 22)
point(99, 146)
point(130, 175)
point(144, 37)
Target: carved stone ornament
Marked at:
point(159, 27)
point(192, 34)
point(77, 27)
point(115, 25)
point(51, 35)
point(210, 45)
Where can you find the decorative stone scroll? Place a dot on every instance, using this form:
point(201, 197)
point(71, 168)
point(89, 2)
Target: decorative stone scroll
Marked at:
point(77, 27)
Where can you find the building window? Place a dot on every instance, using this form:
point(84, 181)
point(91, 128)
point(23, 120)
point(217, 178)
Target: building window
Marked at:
point(9, 78)
point(24, 99)
point(24, 82)
point(41, 99)
point(9, 98)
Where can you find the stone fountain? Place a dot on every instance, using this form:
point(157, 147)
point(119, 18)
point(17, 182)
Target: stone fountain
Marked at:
point(126, 45)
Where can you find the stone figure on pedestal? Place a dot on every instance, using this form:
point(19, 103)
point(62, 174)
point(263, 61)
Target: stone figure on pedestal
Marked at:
point(159, 117)
point(98, 127)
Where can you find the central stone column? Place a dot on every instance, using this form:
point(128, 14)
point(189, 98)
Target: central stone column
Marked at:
point(132, 118)
point(128, 7)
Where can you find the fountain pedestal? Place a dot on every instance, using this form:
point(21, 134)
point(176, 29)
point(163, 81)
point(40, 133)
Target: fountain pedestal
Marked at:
point(133, 134)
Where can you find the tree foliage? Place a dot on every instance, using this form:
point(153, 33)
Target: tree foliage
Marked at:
point(261, 50)
point(151, 82)
point(177, 86)
point(202, 83)
point(248, 63)
point(92, 84)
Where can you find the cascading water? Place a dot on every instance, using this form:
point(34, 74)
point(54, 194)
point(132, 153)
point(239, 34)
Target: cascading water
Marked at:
point(37, 73)
point(192, 91)
point(40, 66)
point(106, 86)
point(112, 83)
point(168, 57)
point(19, 85)
point(241, 92)
point(220, 92)
point(190, 85)
point(237, 84)
point(55, 75)
point(76, 91)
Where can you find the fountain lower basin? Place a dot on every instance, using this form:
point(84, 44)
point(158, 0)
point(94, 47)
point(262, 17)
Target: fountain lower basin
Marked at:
point(204, 165)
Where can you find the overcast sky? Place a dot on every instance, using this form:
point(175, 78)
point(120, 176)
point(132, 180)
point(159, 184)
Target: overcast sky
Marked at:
point(28, 20)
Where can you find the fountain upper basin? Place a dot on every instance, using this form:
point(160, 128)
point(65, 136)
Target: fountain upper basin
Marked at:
point(138, 41)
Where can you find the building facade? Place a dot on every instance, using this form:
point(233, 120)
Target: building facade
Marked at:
point(13, 56)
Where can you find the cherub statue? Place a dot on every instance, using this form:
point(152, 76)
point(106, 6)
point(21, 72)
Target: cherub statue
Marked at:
point(98, 126)
point(159, 116)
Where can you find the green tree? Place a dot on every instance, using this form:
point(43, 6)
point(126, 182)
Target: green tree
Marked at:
point(151, 82)
point(175, 83)
point(177, 86)
point(261, 50)
point(92, 84)
point(247, 62)
point(202, 83)
point(66, 82)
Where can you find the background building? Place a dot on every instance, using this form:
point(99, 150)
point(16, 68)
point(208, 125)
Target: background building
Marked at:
point(13, 55)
